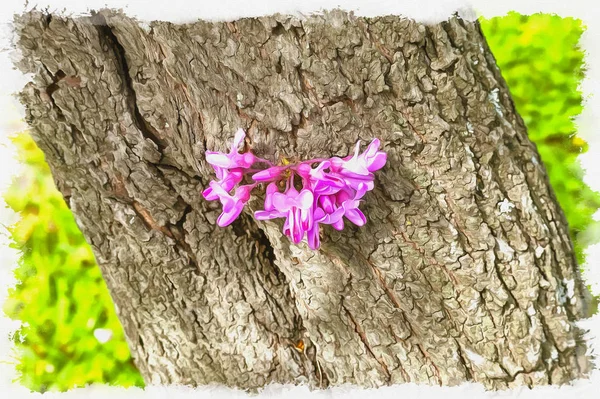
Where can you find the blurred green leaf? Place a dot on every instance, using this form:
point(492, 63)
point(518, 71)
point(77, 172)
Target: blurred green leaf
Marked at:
point(542, 64)
point(61, 295)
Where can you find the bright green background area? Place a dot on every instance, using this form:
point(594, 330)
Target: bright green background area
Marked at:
point(540, 61)
point(63, 300)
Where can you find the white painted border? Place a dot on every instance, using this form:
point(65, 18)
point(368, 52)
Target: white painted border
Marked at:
point(185, 11)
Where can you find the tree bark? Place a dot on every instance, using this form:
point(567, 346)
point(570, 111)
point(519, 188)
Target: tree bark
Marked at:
point(464, 271)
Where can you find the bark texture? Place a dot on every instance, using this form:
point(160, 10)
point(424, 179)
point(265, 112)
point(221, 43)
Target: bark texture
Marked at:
point(464, 272)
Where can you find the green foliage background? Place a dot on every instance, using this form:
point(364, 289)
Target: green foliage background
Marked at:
point(62, 299)
point(542, 65)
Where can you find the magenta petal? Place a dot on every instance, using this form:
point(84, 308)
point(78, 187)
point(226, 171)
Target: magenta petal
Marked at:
point(243, 161)
point(356, 150)
point(327, 190)
point(209, 195)
point(360, 191)
point(355, 183)
point(265, 215)
point(218, 188)
point(232, 178)
point(372, 149)
point(322, 166)
point(242, 193)
point(268, 174)
point(305, 199)
point(326, 202)
point(303, 170)
point(262, 215)
point(263, 175)
point(356, 216)
point(218, 159)
point(345, 174)
point(282, 202)
point(228, 184)
point(327, 186)
point(339, 225)
point(227, 217)
point(342, 196)
point(248, 159)
point(325, 218)
point(228, 203)
point(220, 172)
point(291, 191)
point(295, 224)
point(289, 225)
point(286, 226)
point(319, 215)
point(336, 164)
point(334, 217)
point(377, 162)
point(271, 189)
point(236, 174)
point(237, 139)
point(307, 217)
point(312, 236)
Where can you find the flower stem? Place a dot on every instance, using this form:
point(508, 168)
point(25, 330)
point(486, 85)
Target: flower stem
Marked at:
point(261, 160)
point(315, 160)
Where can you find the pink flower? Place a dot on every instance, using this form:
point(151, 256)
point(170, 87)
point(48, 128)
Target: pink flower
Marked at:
point(369, 161)
point(350, 206)
point(331, 191)
point(295, 207)
point(357, 169)
point(269, 174)
point(220, 161)
point(232, 205)
point(347, 200)
point(373, 158)
point(229, 180)
point(320, 216)
point(318, 180)
point(271, 189)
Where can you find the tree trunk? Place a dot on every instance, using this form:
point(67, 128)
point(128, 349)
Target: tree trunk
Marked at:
point(464, 271)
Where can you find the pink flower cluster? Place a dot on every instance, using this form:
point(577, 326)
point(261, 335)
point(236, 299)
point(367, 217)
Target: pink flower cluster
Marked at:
point(329, 192)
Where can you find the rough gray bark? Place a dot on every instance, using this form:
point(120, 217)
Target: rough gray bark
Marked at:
point(464, 272)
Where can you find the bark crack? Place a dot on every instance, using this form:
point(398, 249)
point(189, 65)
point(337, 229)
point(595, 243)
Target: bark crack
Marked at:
point(107, 35)
point(361, 334)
